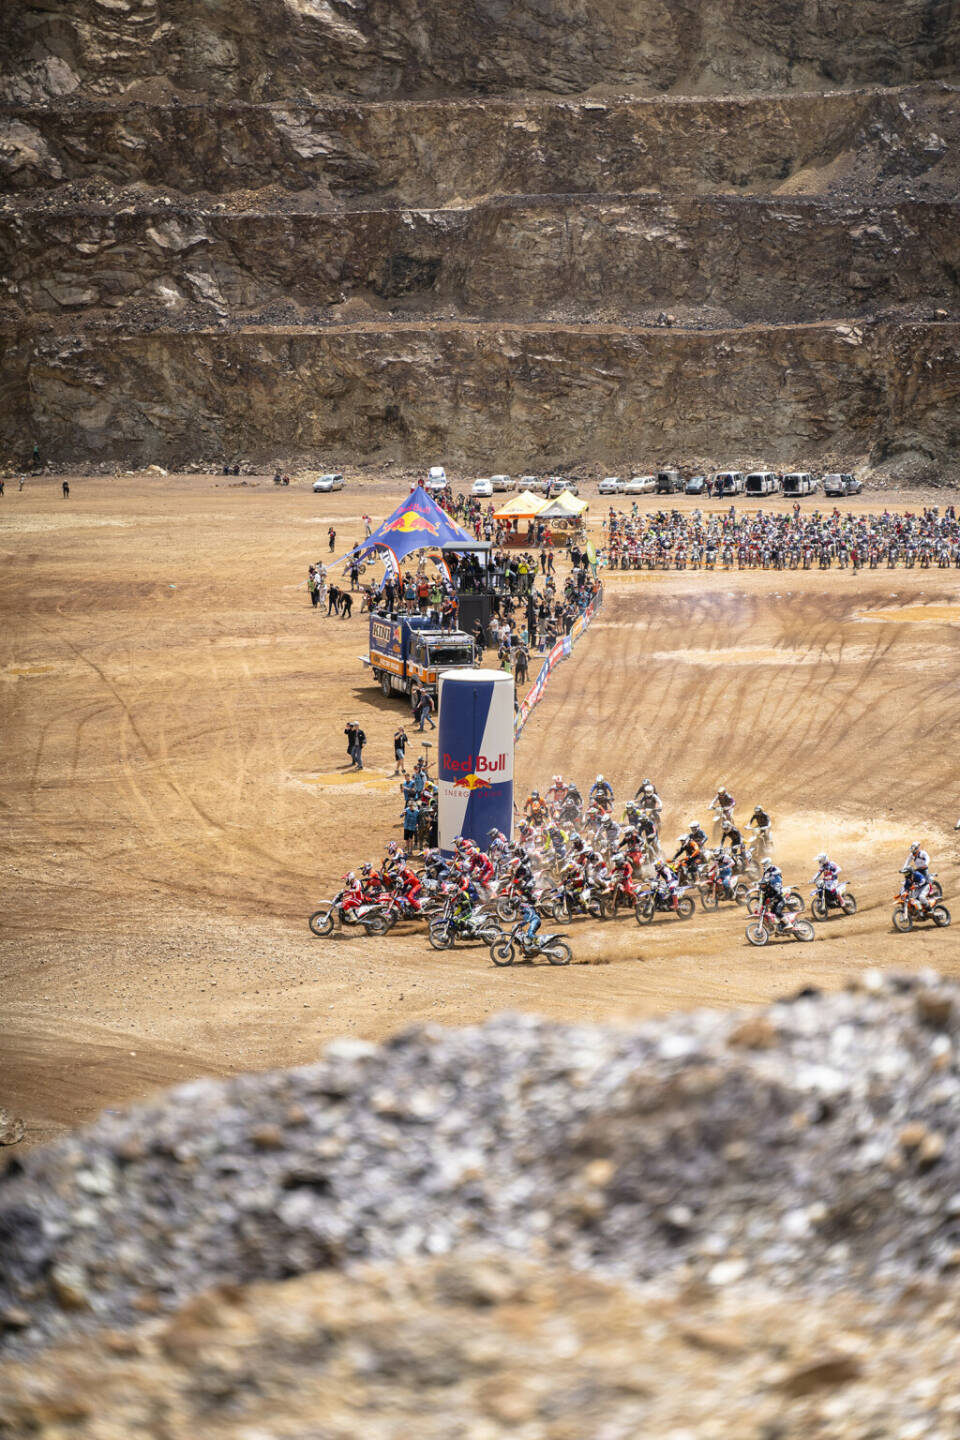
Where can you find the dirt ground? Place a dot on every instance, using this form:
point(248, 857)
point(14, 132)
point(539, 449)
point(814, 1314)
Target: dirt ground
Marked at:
point(174, 800)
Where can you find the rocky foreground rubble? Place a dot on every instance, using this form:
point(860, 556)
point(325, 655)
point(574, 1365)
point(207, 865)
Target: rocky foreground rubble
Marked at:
point(812, 1146)
point(714, 1225)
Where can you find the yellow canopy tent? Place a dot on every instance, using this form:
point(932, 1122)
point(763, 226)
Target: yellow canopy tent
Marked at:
point(525, 506)
point(566, 506)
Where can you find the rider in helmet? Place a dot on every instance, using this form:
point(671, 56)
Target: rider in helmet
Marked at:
point(827, 876)
point(535, 808)
point(761, 822)
point(667, 884)
point(771, 890)
point(918, 864)
point(353, 895)
point(601, 791)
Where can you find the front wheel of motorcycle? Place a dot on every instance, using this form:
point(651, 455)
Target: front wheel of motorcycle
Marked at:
point(941, 915)
point(902, 919)
point(644, 912)
point(558, 952)
point(321, 922)
point(818, 908)
point(502, 952)
point(441, 937)
point(684, 907)
point(757, 934)
point(803, 930)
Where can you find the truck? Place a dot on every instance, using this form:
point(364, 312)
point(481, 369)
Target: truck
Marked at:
point(669, 481)
point(410, 649)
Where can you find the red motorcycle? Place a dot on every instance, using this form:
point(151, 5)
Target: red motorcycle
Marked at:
point(343, 912)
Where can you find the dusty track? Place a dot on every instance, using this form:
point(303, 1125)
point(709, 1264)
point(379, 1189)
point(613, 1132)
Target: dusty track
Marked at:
point(172, 716)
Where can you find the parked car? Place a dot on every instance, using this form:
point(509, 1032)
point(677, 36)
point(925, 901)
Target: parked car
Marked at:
point(836, 484)
point(609, 485)
point(762, 482)
point(696, 485)
point(639, 485)
point(501, 482)
point(530, 482)
point(436, 478)
point(799, 482)
point(325, 483)
point(556, 483)
point(731, 482)
point(669, 482)
point(483, 486)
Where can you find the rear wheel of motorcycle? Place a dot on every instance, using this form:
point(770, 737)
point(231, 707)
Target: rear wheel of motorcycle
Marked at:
point(740, 892)
point(644, 912)
point(684, 907)
point(936, 889)
point(902, 920)
point(708, 897)
point(558, 952)
point(502, 952)
point(490, 934)
point(757, 934)
point(376, 925)
point(507, 908)
point(441, 937)
point(941, 915)
point(321, 922)
point(849, 905)
point(794, 903)
point(818, 908)
point(803, 930)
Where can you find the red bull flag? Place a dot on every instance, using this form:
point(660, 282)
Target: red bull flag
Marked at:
point(418, 523)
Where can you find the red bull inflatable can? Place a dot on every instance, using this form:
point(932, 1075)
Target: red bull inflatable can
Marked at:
point(475, 756)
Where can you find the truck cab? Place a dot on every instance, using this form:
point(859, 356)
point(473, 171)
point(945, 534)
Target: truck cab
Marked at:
point(408, 649)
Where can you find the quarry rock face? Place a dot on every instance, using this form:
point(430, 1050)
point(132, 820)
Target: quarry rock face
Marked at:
point(652, 211)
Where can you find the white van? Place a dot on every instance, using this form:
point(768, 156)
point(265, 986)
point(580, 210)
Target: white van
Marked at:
point(731, 482)
point(799, 482)
point(436, 478)
point(762, 482)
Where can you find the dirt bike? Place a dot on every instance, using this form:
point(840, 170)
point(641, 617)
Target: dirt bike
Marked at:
point(649, 902)
point(911, 911)
point(504, 950)
point(793, 900)
point(447, 928)
point(332, 914)
point(394, 907)
point(766, 927)
point(712, 891)
point(564, 904)
point(824, 901)
point(511, 897)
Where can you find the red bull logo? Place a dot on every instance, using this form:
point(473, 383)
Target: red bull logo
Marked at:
point(409, 523)
point(485, 765)
point(472, 782)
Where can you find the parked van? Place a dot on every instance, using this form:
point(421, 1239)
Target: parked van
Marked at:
point(762, 482)
point(501, 482)
point(731, 482)
point(799, 482)
point(669, 482)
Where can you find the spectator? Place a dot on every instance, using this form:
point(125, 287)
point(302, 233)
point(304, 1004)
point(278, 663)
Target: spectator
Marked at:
point(425, 708)
point(66, 489)
point(400, 750)
point(411, 824)
point(332, 538)
point(355, 743)
point(313, 585)
point(521, 659)
point(333, 600)
point(346, 604)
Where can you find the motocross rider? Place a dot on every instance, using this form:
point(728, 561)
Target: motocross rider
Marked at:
point(827, 877)
point(691, 851)
point(667, 884)
point(761, 822)
point(602, 792)
point(535, 808)
point(917, 868)
point(771, 891)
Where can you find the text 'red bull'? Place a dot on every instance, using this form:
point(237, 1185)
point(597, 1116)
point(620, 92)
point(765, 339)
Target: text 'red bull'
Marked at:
point(483, 766)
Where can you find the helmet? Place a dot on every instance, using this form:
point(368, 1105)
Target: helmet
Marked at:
point(459, 843)
point(682, 839)
point(647, 788)
point(577, 842)
point(821, 858)
point(766, 862)
point(350, 878)
point(558, 779)
point(393, 848)
point(915, 847)
point(367, 868)
point(599, 780)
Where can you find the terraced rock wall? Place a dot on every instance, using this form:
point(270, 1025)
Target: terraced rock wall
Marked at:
point(292, 226)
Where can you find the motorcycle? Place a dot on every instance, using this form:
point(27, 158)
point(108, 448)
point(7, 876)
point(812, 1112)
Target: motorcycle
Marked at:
point(503, 951)
point(334, 913)
point(651, 901)
point(447, 928)
point(793, 900)
point(911, 911)
point(825, 900)
point(563, 904)
point(766, 927)
point(712, 891)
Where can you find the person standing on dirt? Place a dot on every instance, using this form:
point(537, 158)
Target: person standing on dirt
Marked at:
point(1, 486)
point(424, 711)
point(346, 604)
point(333, 600)
point(400, 750)
point(313, 585)
point(355, 743)
point(66, 489)
point(521, 660)
point(354, 574)
point(411, 824)
point(332, 538)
